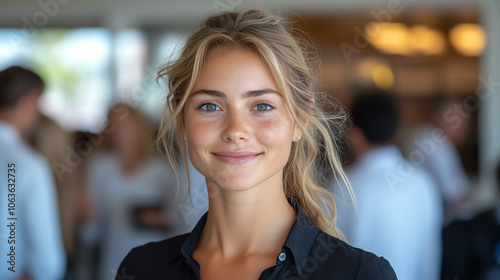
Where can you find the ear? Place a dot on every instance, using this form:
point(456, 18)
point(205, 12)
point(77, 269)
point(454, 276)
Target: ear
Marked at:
point(297, 132)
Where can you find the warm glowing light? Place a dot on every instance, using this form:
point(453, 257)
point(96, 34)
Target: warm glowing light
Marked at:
point(374, 71)
point(383, 77)
point(397, 38)
point(426, 41)
point(391, 37)
point(468, 39)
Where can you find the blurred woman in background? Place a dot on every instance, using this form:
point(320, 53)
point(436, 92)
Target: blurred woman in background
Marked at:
point(130, 188)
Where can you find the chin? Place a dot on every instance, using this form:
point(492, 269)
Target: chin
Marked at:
point(233, 183)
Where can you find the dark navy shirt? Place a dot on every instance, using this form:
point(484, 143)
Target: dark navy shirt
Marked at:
point(308, 253)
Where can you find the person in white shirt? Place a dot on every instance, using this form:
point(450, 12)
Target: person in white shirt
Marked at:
point(444, 128)
point(398, 209)
point(30, 239)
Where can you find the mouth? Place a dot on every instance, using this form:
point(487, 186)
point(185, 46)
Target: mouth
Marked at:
point(236, 157)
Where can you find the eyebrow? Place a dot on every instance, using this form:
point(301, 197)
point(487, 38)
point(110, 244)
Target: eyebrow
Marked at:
point(248, 94)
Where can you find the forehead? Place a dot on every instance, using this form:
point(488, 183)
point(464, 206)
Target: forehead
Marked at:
point(234, 70)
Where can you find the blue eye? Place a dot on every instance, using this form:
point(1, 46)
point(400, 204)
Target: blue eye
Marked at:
point(209, 107)
point(262, 107)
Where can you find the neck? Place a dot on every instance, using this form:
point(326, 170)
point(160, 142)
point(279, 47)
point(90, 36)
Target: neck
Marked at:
point(244, 222)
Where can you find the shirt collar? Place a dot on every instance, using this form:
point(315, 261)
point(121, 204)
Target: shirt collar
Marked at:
point(191, 242)
point(299, 240)
point(8, 132)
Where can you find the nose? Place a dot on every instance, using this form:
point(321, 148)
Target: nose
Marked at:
point(236, 128)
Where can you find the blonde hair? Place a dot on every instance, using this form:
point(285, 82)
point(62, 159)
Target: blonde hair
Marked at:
point(290, 62)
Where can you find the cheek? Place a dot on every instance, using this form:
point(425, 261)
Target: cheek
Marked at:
point(199, 135)
point(275, 132)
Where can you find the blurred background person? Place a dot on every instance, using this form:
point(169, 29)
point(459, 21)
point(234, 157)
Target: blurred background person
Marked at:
point(444, 127)
point(131, 190)
point(398, 216)
point(39, 251)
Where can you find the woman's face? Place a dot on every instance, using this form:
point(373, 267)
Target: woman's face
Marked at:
point(238, 128)
point(129, 129)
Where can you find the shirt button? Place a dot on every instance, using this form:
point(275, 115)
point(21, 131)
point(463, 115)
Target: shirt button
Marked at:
point(282, 257)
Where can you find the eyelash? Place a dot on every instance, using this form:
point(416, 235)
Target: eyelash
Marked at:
point(270, 105)
point(206, 104)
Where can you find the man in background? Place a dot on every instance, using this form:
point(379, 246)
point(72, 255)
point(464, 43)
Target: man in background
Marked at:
point(399, 214)
point(30, 238)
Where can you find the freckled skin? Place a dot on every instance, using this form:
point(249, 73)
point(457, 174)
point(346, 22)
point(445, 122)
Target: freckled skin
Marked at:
point(260, 125)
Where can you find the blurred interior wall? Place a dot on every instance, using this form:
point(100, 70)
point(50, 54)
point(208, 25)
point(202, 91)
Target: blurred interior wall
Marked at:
point(489, 96)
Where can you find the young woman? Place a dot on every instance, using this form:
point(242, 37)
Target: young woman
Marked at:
point(127, 186)
point(242, 100)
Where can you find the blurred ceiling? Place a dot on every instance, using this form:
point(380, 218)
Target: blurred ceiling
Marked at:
point(184, 13)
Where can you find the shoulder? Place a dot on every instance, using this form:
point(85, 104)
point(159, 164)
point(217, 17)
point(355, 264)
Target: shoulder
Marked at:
point(31, 164)
point(161, 250)
point(20, 151)
point(348, 262)
point(152, 260)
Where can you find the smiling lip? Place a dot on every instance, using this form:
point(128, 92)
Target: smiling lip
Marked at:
point(236, 157)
